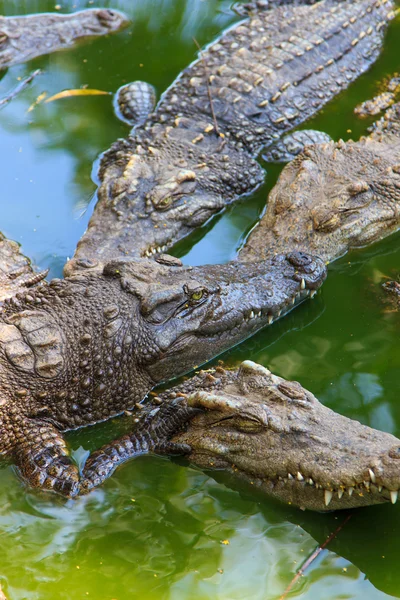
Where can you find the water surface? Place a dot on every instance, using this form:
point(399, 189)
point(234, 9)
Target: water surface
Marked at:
point(159, 529)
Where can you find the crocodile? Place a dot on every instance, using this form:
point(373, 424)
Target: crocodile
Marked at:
point(279, 438)
point(26, 37)
point(159, 319)
point(196, 152)
point(334, 196)
point(155, 322)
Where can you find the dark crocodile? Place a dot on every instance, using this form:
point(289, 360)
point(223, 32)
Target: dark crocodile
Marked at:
point(78, 351)
point(334, 197)
point(265, 76)
point(26, 37)
point(275, 435)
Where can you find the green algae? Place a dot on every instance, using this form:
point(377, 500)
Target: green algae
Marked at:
point(159, 529)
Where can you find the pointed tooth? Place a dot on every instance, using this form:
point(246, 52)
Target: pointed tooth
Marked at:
point(367, 484)
point(270, 319)
point(259, 313)
point(380, 489)
point(293, 300)
point(290, 476)
point(299, 476)
point(393, 496)
point(279, 313)
point(372, 476)
point(312, 294)
point(303, 285)
point(350, 491)
point(328, 497)
point(252, 315)
point(310, 481)
point(340, 493)
point(154, 251)
point(159, 249)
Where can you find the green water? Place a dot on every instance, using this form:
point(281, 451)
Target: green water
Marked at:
point(156, 529)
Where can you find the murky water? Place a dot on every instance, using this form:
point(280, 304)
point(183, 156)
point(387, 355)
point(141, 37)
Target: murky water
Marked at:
point(160, 529)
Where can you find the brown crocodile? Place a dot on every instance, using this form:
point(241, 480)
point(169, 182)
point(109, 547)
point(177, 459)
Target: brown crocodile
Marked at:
point(155, 321)
point(271, 433)
point(26, 37)
point(275, 435)
point(193, 156)
point(334, 196)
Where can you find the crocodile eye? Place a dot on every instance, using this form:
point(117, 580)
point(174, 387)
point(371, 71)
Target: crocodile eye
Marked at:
point(165, 203)
point(197, 295)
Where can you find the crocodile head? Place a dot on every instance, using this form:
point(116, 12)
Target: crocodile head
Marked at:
point(276, 435)
point(333, 197)
point(188, 315)
point(152, 195)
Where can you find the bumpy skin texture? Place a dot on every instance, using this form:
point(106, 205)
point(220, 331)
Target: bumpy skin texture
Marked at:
point(381, 101)
point(275, 435)
point(77, 351)
point(24, 38)
point(334, 197)
point(266, 75)
point(16, 273)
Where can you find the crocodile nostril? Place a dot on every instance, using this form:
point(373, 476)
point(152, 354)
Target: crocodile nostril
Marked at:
point(395, 452)
point(299, 259)
point(107, 16)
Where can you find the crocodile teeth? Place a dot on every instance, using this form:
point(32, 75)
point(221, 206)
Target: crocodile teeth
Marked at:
point(259, 313)
point(310, 481)
point(293, 300)
point(340, 493)
point(290, 476)
point(279, 313)
point(328, 497)
point(252, 315)
point(350, 491)
point(380, 489)
point(270, 319)
point(393, 497)
point(299, 476)
point(372, 476)
point(367, 484)
point(312, 294)
point(303, 285)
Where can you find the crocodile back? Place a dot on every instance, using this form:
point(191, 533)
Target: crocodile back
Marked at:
point(271, 72)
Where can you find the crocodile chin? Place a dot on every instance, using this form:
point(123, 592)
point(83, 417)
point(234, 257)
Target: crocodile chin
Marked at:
point(275, 435)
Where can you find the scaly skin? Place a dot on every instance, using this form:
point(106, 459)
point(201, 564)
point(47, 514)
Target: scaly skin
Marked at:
point(78, 351)
point(267, 75)
point(334, 197)
point(24, 38)
point(275, 435)
point(16, 273)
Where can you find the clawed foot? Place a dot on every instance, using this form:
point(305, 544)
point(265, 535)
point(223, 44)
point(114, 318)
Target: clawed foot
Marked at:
point(152, 434)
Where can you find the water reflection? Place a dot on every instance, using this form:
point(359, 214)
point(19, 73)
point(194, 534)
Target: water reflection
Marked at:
point(159, 529)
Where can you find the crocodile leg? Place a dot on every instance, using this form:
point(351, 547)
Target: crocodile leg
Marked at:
point(42, 457)
point(134, 102)
point(287, 148)
point(153, 434)
point(43, 460)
